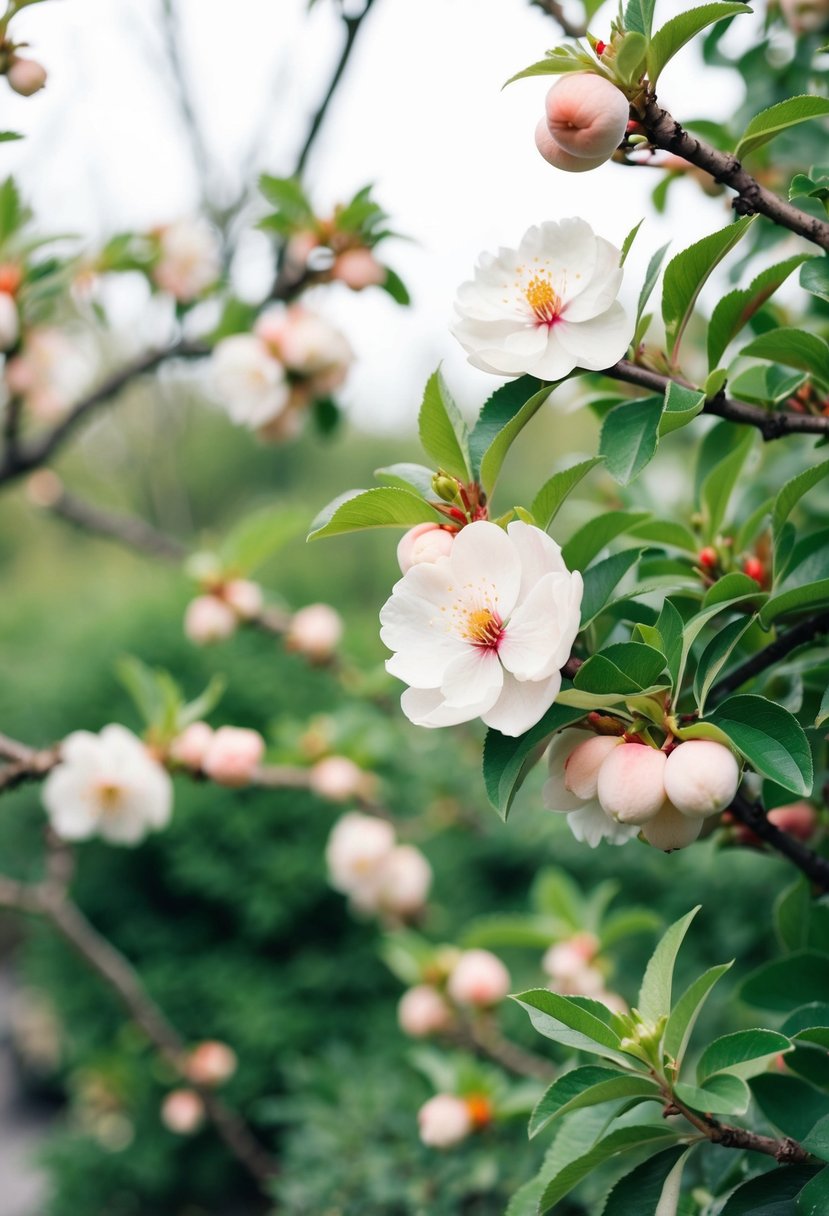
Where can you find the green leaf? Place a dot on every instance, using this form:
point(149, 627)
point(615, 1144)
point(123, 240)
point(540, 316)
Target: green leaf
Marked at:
point(639, 16)
point(681, 406)
point(771, 1194)
point(7, 137)
point(742, 1054)
point(627, 243)
point(792, 492)
point(630, 57)
point(623, 1140)
point(667, 532)
point(655, 993)
point(681, 29)
point(203, 704)
point(813, 1200)
point(624, 667)
point(148, 694)
point(587, 1086)
point(601, 580)
point(504, 424)
point(722, 1094)
point(394, 286)
point(798, 599)
point(683, 1016)
point(443, 431)
point(769, 737)
point(507, 760)
point(786, 983)
point(814, 277)
point(719, 486)
point(564, 1020)
point(408, 477)
point(792, 912)
point(552, 495)
point(651, 276)
point(629, 436)
point(687, 273)
point(766, 385)
point(259, 535)
point(714, 658)
point(793, 348)
point(289, 198)
point(817, 1141)
point(384, 507)
point(651, 1189)
point(768, 123)
point(560, 59)
point(590, 539)
point(12, 211)
point(792, 1105)
point(737, 308)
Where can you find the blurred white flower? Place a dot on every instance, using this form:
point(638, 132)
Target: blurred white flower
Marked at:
point(423, 1011)
point(484, 631)
point(315, 631)
point(209, 619)
point(402, 882)
point(211, 1063)
point(307, 344)
point(107, 785)
point(182, 1112)
point(356, 848)
point(478, 978)
point(189, 260)
point(443, 1121)
point(233, 755)
point(337, 778)
point(547, 307)
point(49, 373)
point(249, 382)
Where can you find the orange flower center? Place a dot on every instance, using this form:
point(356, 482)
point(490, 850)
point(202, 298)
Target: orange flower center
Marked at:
point(543, 299)
point(483, 627)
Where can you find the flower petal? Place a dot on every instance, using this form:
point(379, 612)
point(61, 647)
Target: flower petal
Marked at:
point(474, 678)
point(555, 794)
point(591, 825)
point(486, 569)
point(599, 342)
point(521, 704)
point(426, 707)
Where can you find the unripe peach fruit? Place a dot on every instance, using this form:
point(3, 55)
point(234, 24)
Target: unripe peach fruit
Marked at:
point(587, 116)
point(555, 155)
point(631, 785)
point(581, 768)
point(670, 829)
point(701, 777)
point(26, 76)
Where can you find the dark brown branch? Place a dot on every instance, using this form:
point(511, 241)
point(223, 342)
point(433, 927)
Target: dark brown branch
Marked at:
point(127, 530)
point(799, 635)
point(665, 132)
point(772, 424)
point(785, 1151)
point(555, 10)
point(812, 864)
point(114, 969)
point(26, 763)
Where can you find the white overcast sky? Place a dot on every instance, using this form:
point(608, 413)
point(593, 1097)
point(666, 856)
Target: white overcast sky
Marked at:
point(421, 113)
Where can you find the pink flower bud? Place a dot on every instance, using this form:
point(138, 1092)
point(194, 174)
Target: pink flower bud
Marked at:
point(190, 747)
point(581, 768)
point(587, 116)
point(701, 777)
point(799, 819)
point(423, 1011)
point(315, 631)
point(670, 829)
point(631, 785)
point(233, 755)
point(182, 1112)
point(555, 155)
point(299, 248)
point(356, 849)
point(444, 1121)
point(358, 268)
point(403, 881)
point(479, 978)
point(208, 619)
point(211, 1063)
point(564, 961)
point(9, 322)
point(269, 328)
point(424, 543)
point(244, 597)
point(337, 778)
point(26, 76)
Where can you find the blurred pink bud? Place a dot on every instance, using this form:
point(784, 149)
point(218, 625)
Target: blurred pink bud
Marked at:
point(581, 768)
point(478, 978)
point(555, 155)
point(568, 959)
point(631, 785)
point(209, 619)
point(9, 322)
point(404, 881)
point(182, 1112)
point(799, 819)
point(337, 778)
point(26, 76)
point(358, 268)
point(233, 755)
point(315, 631)
point(299, 248)
point(310, 346)
point(269, 328)
point(191, 745)
point(701, 777)
point(670, 829)
point(211, 1063)
point(444, 1121)
point(357, 847)
point(423, 1011)
point(189, 259)
point(423, 543)
point(244, 597)
point(587, 116)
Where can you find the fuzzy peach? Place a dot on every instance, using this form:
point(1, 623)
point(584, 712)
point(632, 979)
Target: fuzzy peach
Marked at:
point(587, 116)
point(581, 768)
point(555, 155)
point(631, 783)
point(701, 777)
point(670, 829)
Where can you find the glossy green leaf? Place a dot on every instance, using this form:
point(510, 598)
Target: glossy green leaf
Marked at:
point(737, 308)
point(817, 1141)
point(719, 486)
point(556, 490)
point(714, 658)
point(798, 600)
point(792, 911)
point(792, 492)
point(443, 432)
point(624, 667)
point(623, 1140)
point(681, 29)
point(384, 507)
point(258, 536)
point(507, 760)
point(743, 1053)
point(561, 59)
point(590, 539)
point(655, 994)
point(651, 277)
point(766, 385)
point(408, 476)
point(629, 436)
point(629, 64)
point(651, 1189)
point(769, 737)
point(768, 123)
point(602, 579)
point(814, 277)
point(788, 983)
point(722, 1094)
point(771, 1194)
point(793, 348)
point(681, 407)
point(791, 1104)
point(688, 272)
point(639, 16)
point(564, 1020)
point(683, 1016)
point(587, 1086)
point(813, 1200)
point(495, 454)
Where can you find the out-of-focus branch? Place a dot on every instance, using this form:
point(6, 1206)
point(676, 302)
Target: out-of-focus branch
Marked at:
point(665, 132)
point(127, 530)
point(555, 10)
point(484, 1034)
point(25, 763)
point(799, 635)
point(813, 865)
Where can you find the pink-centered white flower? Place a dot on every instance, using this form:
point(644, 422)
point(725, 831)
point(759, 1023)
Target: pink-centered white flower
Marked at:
point(107, 785)
point(249, 382)
point(547, 307)
point(189, 259)
point(485, 631)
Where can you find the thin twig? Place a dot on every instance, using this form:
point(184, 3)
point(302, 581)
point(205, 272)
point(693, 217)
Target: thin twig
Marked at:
point(799, 635)
point(665, 132)
point(127, 530)
point(555, 10)
point(786, 1151)
point(812, 864)
point(483, 1033)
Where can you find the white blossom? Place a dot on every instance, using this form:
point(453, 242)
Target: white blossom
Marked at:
point(586, 817)
point(189, 260)
point(249, 382)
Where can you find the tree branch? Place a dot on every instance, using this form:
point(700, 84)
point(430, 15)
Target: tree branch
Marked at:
point(484, 1034)
point(556, 10)
point(799, 635)
point(127, 530)
point(812, 864)
point(786, 1151)
point(665, 132)
point(772, 424)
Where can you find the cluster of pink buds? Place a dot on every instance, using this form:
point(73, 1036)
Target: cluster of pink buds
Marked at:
point(380, 876)
point(229, 756)
point(215, 615)
point(458, 982)
point(572, 965)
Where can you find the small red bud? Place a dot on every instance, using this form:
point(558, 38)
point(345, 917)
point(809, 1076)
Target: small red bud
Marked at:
point(753, 567)
point(480, 1109)
point(601, 47)
point(708, 558)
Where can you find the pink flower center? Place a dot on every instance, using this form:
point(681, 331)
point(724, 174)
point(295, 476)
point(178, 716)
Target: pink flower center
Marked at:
point(483, 628)
point(543, 300)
